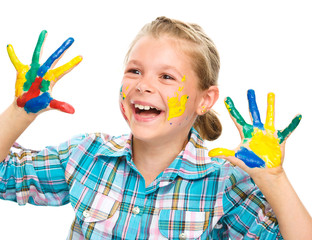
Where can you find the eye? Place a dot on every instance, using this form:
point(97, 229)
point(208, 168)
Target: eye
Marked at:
point(134, 71)
point(167, 77)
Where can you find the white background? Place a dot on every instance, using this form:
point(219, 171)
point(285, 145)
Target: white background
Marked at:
point(264, 45)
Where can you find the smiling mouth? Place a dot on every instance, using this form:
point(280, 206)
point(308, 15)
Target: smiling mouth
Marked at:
point(146, 111)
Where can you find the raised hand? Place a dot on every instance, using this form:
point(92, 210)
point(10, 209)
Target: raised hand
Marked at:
point(34, 83)
point(262, 145)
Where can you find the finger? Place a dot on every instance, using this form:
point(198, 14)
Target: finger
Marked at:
point(247, 129)
point(21, 71)
point(249, 158)
point(58, 73)
point(34, 66)
point(221, 152)
point(55, 57)
point(14, 59)
point(62, 106)
point(38, 48)
point(269, 122)
point(253, 109)
point(284, 134)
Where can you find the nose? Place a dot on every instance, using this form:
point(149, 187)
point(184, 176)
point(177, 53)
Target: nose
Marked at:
point(145, 85)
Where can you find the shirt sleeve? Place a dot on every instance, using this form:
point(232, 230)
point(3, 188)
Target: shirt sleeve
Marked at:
point(247, 214)
point(37, 177)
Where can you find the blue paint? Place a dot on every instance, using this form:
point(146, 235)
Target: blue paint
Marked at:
point(253, 108)
point(38, 103)
point(249, 158)
point(46, 66)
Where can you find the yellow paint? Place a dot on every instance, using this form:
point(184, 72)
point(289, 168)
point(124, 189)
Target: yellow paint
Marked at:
point(176, 106)
point(227, 106)
point(183, 79)
point(180, 89)
point(56, 74)
point(123, 94)
point(221, 152)
point(269, 123)
point(267, 147)
point(21, 70)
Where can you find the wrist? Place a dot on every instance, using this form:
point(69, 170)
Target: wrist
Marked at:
point(20, 113)
point(270, 178)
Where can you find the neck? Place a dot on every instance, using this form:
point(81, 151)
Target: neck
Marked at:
point(152, 158)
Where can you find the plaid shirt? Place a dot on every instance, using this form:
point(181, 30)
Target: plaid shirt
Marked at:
point(196, 197)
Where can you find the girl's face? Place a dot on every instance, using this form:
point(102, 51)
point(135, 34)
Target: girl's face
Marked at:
point(159, 96)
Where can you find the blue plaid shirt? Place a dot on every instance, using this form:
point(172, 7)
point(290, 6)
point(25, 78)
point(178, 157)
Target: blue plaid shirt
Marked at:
point(196, 197)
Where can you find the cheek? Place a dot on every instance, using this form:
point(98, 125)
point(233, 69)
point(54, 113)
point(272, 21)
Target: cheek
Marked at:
point(122, 98)
point(123, 111)
point(123, 91)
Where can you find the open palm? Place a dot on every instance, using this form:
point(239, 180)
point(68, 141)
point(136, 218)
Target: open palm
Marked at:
point(262, 145)
point(34, 83)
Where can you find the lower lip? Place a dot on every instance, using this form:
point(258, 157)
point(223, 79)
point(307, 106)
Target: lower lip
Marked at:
point(139, 118)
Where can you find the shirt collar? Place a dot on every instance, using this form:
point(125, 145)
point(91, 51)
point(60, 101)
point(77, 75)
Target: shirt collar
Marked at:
point(192, 163)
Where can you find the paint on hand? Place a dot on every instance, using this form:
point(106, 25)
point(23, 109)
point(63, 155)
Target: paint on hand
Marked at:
point(246, 128)
point(37, 104)
point(253, 109)
point(269, 123)
point(260, 147)
point(34, 82)
point(221, 152)
point(284, 134)
point(62, 106)
point(249, 158)
point(35, 65)
point(267, 147)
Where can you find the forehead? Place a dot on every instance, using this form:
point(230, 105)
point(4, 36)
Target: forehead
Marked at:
point(162, 50)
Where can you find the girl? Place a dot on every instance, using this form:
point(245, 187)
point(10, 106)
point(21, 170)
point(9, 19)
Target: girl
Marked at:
point(158, 182)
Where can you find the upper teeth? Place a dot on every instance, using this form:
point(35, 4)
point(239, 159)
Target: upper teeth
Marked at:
point(141, 107)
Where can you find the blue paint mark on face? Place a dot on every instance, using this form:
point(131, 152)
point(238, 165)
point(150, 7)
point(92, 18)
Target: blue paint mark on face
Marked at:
point(249, 158)
point(39, 103)
point(253, 108)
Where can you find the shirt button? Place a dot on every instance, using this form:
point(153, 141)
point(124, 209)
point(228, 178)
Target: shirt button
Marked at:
point(86, 214)
point(182, 236)
point(136, 210)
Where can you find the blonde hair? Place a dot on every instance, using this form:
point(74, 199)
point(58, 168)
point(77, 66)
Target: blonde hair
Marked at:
point(205, 60)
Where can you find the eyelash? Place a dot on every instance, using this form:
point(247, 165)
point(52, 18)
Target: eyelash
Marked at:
point(164, 76)
point(134, 71)
point(167, 77)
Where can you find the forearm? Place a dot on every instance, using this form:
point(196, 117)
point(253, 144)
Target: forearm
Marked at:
point(13, 122)
point(293, 218)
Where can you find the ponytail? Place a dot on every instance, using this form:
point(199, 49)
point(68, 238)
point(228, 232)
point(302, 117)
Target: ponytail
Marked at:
point(208, 126)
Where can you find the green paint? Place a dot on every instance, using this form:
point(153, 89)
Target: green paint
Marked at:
point(282, 135)
point(247, 128)
point(45, 85)
point(35, 65)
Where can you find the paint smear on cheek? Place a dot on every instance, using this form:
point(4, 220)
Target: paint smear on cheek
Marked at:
point(123, 112)
point(176, 105)
point(267, 147)
point(123, 94)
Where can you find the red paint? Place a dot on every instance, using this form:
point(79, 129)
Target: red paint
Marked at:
point(123, 112)
point(34, 91)
point(62, 106)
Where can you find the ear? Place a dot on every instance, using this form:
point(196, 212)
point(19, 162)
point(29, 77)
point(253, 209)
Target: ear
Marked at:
point(208, 99)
